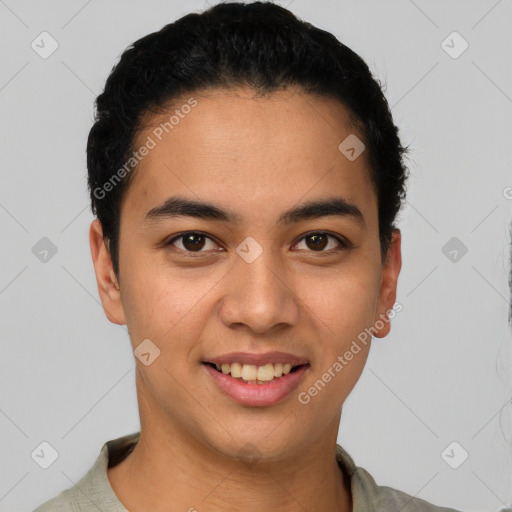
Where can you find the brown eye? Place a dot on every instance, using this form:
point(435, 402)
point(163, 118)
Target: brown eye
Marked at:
point(318, 241)
point(191, 242)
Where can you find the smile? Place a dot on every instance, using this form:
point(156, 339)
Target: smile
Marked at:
point(253, 374)
point(256, 386)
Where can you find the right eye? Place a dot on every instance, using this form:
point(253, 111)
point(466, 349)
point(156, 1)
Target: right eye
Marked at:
point(191, 241)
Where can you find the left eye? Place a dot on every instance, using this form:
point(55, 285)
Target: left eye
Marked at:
point(317, 241)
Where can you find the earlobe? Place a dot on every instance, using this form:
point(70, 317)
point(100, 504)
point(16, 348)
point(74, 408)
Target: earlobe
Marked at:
point(387, 295)
point(108, 286)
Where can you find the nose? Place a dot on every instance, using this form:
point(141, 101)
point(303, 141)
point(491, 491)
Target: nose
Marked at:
point(260, 295)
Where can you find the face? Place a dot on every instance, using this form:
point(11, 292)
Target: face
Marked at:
point(251, 270)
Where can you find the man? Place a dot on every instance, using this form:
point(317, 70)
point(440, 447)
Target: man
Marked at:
point(246, 174)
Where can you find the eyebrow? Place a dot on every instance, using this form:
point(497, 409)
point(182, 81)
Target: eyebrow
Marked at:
point(182, 207)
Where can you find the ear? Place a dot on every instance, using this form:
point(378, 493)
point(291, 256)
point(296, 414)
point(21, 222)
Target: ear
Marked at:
point(387, 296)
point(108, 287)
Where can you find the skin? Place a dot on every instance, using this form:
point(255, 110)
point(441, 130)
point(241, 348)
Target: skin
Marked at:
point(256, 157)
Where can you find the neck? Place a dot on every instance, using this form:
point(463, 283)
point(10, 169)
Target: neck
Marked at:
point(170, 466)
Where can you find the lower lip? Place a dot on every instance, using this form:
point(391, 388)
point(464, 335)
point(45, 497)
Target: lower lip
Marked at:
point(257, 395)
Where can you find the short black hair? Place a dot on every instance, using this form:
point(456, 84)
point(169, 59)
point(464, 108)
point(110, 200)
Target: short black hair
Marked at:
point(260, 45)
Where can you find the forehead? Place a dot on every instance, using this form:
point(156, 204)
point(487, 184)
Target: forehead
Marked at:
point(244, 151)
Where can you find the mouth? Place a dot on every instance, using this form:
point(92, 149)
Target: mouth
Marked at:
point(254, 374)
point(256, 385)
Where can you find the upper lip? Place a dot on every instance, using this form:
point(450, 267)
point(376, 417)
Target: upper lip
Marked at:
point(258, 359)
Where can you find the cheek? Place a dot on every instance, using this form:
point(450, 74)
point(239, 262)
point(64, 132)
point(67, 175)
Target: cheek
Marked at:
point(163, 306)
point(341, 307)
point(344, 301)
point(341, 310)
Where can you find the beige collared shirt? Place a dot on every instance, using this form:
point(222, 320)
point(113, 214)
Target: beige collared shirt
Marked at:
point(93, 492)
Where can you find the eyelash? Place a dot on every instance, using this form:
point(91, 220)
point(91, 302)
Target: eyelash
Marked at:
point(343, 243)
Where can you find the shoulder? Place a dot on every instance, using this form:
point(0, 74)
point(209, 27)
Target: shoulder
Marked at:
point(64, 502)
point(93, 492)
point(383, 498)
point(367, 496)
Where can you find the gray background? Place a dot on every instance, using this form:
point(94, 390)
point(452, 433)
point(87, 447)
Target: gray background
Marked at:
point(442, 375)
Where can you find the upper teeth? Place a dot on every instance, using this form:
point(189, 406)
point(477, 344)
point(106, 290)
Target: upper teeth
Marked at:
point(251, 372)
